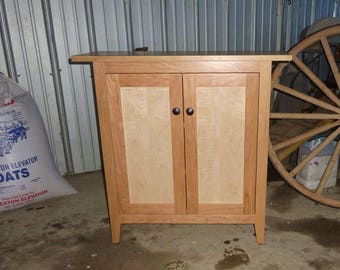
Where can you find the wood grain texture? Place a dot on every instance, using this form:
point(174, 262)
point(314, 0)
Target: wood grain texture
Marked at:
point(250, 142)
point(262, 150)
point(112, 56)
point(104, 114)
point(217, 209)
point(304, 116)
point(305, 97)
point(147, 131)
point(190, 219)
point(302, 137)
point(115, 128)
point(177, 131)
point(187, 148)
point(331, 60)
point(180, 67)
point(190, 128)
point(221, 140)
point(151, 208)
point(150, 146)
point(315, 79)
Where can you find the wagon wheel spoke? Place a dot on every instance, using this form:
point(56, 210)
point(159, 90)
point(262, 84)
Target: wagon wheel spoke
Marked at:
point(311, 113)
point(305, 97)
point(328, 169)
point(304, 136)
point(310, 74)
point(304, 116)
point(331, 60)
point(316, 151)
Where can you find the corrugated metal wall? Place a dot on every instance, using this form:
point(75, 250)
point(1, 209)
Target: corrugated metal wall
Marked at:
point(39, 36)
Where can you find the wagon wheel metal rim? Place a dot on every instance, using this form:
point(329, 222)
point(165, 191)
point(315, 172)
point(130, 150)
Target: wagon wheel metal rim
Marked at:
point(330, 121)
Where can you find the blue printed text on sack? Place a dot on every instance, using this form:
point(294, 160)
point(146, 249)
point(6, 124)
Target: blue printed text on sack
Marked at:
point(14, 175)
point(18, 164)
point(16, 170)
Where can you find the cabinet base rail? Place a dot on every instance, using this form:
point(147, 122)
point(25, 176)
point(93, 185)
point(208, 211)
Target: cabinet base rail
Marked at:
point(188, 219)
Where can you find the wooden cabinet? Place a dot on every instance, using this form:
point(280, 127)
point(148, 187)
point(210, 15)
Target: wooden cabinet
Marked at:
point(184, 138)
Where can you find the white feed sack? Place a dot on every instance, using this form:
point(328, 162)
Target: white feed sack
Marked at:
point(27, 170)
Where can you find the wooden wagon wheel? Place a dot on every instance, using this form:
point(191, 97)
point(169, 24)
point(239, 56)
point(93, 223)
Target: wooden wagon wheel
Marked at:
point(309, 85)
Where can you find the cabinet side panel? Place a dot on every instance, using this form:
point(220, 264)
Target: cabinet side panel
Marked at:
point(147, 131)
point(220, 143)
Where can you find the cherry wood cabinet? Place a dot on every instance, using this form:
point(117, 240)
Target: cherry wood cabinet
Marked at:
point(184, 137)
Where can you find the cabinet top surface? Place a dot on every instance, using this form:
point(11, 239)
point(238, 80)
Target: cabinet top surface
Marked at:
point(104, 56)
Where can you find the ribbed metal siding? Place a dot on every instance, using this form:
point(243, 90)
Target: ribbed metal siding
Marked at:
point(32, 62)
point(109, 25)
point(71, 31)
point(4, 38)
point(79, 26)
point(3, 60)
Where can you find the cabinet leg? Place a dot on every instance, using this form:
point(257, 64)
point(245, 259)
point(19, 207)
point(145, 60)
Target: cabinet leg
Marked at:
point(115, 231)
point(259, 232)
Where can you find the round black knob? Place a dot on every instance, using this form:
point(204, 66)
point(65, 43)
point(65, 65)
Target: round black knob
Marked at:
point(190, 111)
point(176, 111)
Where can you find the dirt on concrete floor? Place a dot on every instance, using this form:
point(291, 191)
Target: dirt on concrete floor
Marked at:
point(73, 233)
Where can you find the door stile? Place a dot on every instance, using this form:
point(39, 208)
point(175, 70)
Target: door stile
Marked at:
point(190, 138)
point(117, 132)
point(177, 134)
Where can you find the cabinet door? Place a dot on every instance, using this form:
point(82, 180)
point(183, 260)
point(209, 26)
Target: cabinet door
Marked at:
point(220, 142)
point(148, 142)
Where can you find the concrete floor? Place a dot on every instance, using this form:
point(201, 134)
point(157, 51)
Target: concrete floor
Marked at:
point(73, 233)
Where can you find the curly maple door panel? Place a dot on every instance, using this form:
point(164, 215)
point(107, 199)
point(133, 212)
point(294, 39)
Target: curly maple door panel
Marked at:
point(147, 134)
point(221, 142)
point(152, 180)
